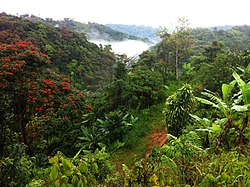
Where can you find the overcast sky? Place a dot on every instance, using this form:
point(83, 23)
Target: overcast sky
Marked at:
point(201, 13)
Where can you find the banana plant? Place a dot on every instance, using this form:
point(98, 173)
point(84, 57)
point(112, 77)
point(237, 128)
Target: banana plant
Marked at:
point(245, 91)
point(234, 109)
point(90, 139)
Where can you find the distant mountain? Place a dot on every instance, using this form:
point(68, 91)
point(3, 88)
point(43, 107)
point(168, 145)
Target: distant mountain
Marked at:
point(233, 37)
point(146, 32)
point(222, 27)
point(93, 31)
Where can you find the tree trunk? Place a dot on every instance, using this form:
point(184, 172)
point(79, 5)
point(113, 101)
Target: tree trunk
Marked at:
point(176, 64)
point(21, 124)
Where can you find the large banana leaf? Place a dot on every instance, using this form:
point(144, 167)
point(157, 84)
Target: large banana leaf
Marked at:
point(227, 91)
point(207, 102)
point(245, 88)
point(217, 102)
point(240, 108)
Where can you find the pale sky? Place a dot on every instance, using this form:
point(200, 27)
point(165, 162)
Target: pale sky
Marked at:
point(201, 13)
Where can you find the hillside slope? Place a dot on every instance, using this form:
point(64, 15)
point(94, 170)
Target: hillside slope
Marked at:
point(233, 38)
point(70, 51)
point(93, 31)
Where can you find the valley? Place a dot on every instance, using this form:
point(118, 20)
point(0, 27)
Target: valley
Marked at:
point(85, 105)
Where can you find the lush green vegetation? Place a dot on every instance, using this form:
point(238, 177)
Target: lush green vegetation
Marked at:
point(75, 114)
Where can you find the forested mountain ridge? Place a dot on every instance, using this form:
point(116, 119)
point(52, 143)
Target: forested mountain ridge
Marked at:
point(70, 51)
point(147, 32)
point(231, 36)
point(234, 38)
point(93, 31)
point(221, 27)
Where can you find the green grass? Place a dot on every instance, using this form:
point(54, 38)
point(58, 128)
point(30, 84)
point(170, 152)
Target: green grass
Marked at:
point(136, 140)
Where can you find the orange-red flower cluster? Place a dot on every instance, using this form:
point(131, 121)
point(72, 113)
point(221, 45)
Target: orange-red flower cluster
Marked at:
point(71, 100)
point(46, 91)
point(34, 134)
point(80, 95)
point(45, 99)
point(5, 66)
point(49, 82)
point(7, 59)
point(44, 55)
point(88, 107)
point(65, 86)
point(39, 109)
point(23, 43)
point(21, 55)
point(67, 79)
point(9, 73)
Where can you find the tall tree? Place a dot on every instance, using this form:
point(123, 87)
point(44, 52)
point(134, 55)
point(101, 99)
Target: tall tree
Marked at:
point(36, 102)
point(179, 42)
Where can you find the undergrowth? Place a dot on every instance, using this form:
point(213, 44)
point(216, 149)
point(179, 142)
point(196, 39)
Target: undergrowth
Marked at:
point(136, 140)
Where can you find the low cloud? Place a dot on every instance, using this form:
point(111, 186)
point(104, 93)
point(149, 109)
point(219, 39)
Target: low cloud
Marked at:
point(129, 47)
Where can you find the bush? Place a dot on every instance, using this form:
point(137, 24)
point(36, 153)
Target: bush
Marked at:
point(87, 170)
point(178, 107)
point(17, 169)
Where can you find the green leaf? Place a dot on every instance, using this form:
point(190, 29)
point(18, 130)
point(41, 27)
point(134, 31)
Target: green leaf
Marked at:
point(95, 167)
point(221, 122)
point(85, 121)
point(204, 130)
point(54, 159)
point(248, 67)
point(227, 90)
point(245, 88)
point(203, 121)
point(102, 145)
point(207, 102)
point(246, 93)
point(77, 154)
point(101, 121)
point(84, 138)
point(216, 127)
point(65, 165)
point(64, 178)
point(75, 180)
point(83, 168)
point(240, 82)
point(80, 183)
point(240, 108)
point(63, 185)
point(53, 173)
point(172, 137)
point(57, 183)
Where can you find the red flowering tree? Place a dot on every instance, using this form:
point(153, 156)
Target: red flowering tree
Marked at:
point(37, 101)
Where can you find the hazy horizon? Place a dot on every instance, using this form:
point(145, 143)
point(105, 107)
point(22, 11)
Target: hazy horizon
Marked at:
point(149, 13)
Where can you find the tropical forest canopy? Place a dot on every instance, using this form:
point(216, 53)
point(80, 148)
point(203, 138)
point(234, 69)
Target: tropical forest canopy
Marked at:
point(77, 114)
